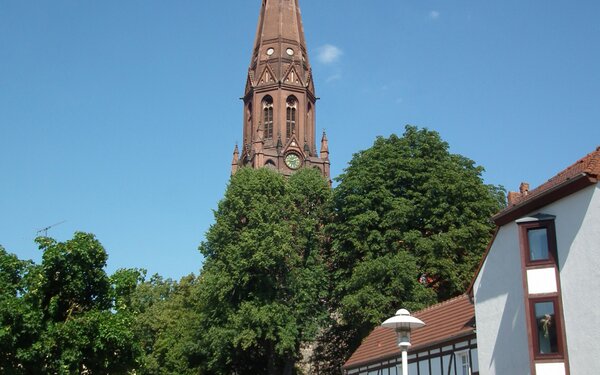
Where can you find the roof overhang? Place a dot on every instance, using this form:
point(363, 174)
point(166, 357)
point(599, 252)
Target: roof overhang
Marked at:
point(412, 349)
point(518, 211)
point(546, 197)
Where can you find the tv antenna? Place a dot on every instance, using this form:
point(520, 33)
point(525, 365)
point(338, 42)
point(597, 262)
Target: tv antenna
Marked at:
point(45, 230)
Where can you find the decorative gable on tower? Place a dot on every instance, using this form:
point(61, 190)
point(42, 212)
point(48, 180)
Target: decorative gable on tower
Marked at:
point(292, 77)
point(267, 77)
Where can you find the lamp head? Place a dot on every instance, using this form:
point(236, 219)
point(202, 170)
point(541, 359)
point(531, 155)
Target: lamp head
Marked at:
point(403, 323)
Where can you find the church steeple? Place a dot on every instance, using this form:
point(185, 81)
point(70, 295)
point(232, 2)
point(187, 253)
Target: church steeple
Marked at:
point(280, 40)
point(279, 99)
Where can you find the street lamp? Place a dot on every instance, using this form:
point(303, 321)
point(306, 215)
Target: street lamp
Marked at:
point(403, 323)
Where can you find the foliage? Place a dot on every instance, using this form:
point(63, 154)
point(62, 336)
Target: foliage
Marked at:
point(166, 324)
point(16, 320)
point(66, 316)
point(411, 221)
point(288, 262)
point(263, 281)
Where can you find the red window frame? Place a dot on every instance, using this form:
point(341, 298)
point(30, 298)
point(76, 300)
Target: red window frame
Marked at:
point(551, 237)
point(559, 328)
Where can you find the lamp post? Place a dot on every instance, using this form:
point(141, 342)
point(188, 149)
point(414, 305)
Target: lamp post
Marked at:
point(403, 323)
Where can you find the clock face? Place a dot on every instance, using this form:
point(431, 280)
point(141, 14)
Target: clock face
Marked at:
point(290, 51)
point(292, 161)
point(270, 51)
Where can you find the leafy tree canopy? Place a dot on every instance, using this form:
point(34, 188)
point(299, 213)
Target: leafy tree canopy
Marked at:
point(411, 222)
point(263, 283)
point(66, 315)
point(166, 326)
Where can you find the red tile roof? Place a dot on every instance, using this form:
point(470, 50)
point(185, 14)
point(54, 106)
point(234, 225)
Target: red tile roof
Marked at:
point(443, 322)
point(587, 168)
point(582, 173)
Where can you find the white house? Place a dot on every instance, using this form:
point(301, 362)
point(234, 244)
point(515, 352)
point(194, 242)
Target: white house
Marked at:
point(537, 291)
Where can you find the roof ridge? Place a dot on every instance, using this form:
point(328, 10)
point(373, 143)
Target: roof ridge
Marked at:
point(593, 166)
point(587, 165)
point(441, 304)
point(590, 158)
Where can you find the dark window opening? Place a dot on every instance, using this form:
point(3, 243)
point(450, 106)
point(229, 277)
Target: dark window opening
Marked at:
point(546, 326)
point(268, 117)
point(290, 123)
point(539, 242)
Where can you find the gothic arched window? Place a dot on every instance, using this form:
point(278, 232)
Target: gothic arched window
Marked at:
point(270, 164)
point(291, 108)
point(268, 116)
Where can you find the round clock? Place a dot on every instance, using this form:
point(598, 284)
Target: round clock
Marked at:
point(270, 51)
point(292, 161)
point(289, 51)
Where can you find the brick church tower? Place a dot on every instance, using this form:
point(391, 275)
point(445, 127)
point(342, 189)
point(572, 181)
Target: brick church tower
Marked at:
point(279, 100)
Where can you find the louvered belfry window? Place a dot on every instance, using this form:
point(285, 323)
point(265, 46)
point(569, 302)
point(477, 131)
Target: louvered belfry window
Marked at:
point(268, 116)
point(291, 107)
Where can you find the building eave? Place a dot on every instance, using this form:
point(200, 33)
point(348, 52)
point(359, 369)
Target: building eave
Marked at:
point(560, 191)
point(412, 349)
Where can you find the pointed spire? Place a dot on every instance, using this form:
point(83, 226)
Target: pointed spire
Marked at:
point(280, 70)
point(280, 41)
point(235, 161)
point(324, 147)
point(236, 155)
point(280, 19)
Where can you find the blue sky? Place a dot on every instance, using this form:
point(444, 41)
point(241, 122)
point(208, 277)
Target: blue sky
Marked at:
point(120, 117)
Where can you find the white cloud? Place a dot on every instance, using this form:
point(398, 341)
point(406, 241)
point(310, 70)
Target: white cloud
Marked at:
point(334, 77)
point(329, 54)
point(434, 14)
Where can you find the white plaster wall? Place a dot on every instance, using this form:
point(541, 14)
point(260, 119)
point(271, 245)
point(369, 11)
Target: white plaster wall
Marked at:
point(499, 308)
point(550, 368)
point(498, 291)
point(541, 280)
point(578, 244)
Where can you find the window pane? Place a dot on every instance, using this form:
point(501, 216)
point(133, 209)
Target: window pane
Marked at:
point(412, 368)
point(538, 244)
point(546, 327)
point(446, 365)
point(436, 366)
point(475, 360)
point(424, 367)
point(463, 364)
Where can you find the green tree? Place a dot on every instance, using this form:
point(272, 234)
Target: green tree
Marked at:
point(411, 222)
point(18, 323)
point(166, 326)
point(70, 316)
point(263, 283)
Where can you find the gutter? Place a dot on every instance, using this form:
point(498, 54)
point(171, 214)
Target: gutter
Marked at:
point(546, 197)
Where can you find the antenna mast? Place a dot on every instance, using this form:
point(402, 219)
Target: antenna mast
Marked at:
point(45, 230)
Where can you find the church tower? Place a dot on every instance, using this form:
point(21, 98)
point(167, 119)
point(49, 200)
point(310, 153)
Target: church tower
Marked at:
point(279, 99)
